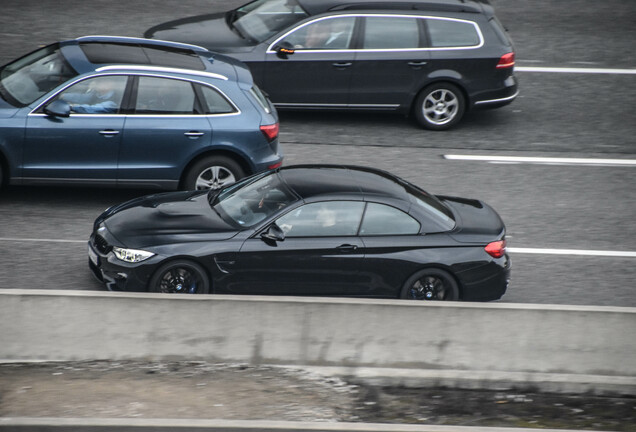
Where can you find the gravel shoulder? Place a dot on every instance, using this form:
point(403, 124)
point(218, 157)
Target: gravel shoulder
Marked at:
point(197, 390)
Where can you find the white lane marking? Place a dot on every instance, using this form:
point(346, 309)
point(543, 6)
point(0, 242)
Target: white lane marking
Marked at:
point(576, 70)
point(13, 239)
point(581, 252)
point(536, 251)
point(543, 160)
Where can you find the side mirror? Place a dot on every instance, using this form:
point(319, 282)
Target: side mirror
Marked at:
point(273, 233)
point(284, 49)
point(58, 108)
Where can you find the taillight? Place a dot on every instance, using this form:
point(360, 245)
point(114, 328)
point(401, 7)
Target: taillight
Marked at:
point(270, 131)
point(506, 61)
point(496, 249)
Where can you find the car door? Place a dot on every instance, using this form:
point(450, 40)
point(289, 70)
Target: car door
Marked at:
point(391, 65)
point(165, 128)
point(84, 146)
point(318, 72)
point(320, 254)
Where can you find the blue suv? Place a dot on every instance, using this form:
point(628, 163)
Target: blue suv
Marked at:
point(115, 111)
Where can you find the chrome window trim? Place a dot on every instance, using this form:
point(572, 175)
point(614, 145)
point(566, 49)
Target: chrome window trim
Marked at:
point(157, 75)
point(288, 104)
point(270, 49)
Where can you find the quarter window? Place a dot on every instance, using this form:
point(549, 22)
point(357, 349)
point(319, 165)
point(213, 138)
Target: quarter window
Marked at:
point(446, 33)
point(323, 219)
point(380, 219)
point(215, 102)
point(391, 33)
point(324, 34)
point(164, 96)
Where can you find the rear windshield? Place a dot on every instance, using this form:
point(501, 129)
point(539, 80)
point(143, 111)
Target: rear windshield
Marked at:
point(119, 53)
point(28, 78)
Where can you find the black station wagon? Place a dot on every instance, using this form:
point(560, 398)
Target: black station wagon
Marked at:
point(434, 59)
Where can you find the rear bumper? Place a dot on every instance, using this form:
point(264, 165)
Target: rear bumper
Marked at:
point(488, 282)
point(500, 97)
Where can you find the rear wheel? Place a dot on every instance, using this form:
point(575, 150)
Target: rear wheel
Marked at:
point(440, 106)
point(213, 172)
point(431, 284)
point(180, 277)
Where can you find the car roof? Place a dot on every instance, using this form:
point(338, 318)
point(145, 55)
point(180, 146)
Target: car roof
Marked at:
point(90, 53)
point(314, 7)
point(313, 180)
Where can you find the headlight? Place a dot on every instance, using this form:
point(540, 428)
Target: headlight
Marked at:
point(131, 255)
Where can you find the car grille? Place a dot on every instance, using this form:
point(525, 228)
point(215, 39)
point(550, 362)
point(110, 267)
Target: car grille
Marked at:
point(102, 245)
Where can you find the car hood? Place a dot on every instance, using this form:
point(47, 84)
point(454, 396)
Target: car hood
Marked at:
point(209, 31)
point(172, 217)
point(477, 222)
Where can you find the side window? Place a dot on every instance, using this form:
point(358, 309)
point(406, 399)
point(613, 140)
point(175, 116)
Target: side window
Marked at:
point(380, 219)
point(164, 96)
point(215, 102)
point(100, 95)
point(391, 33)
point(325, 34)
point(323, 219)
point(449, 33)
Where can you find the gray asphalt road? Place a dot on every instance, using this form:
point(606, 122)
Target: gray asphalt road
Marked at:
point(42, 230)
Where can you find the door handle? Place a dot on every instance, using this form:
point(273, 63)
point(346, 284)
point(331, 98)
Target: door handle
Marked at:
point(342, 65)
point(347, 248)
point(193, 134)
point(108, 132)
point(417, 63)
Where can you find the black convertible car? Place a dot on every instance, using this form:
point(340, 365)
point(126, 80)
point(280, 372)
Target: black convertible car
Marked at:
point(305, 230)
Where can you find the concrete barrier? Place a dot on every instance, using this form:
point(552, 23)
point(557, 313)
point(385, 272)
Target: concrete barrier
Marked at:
point(567, 348)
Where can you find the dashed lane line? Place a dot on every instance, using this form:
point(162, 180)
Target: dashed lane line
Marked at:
point(607, 71)
point(543, 160)
point(514, 250)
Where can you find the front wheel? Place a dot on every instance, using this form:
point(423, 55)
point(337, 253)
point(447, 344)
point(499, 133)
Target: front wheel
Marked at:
point(180, 277)
point(213, 172)
point(431, 284)
point(440, 106)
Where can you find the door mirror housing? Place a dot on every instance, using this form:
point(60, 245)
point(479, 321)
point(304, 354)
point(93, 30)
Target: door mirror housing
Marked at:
point(58, 108)
point(284, 49)
point(274, 233)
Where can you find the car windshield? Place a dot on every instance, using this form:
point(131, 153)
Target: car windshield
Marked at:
point(27, 78)
point(263, 18)
point(252, 200)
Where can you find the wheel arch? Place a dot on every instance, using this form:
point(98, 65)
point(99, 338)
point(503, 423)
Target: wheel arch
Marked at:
point(456, 81)
point(437, 266)
point(176, 258)
point(235, 156)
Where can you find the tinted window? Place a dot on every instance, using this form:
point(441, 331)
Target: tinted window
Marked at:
point(164, 96)
point(99, 52)
point(323, 219)
point(332, 33)
point(380, 219)
point(26, 79)
point(215, 102)
point(101, 95)
point(448, 33)
point(260, 97)
point(261, 19)
point(391, 32)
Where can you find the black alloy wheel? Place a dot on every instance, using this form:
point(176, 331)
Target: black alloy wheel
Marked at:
point(180, 277)
point(440, 106)
point(431, 284)
point(212, 172)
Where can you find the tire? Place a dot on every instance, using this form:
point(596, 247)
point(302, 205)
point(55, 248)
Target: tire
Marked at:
point(440, 106)
point(180, 277)
point(431, 284)
point(212, 172)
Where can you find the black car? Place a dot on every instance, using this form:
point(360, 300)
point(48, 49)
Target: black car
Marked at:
point(305, 230)
point(434, 59)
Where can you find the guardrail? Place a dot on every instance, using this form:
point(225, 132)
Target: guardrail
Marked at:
point(477, 345)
